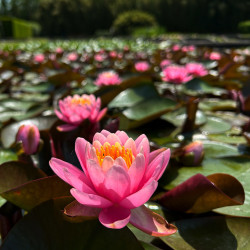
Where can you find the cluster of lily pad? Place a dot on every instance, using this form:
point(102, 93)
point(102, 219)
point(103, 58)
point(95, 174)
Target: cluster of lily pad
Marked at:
point(129, 104)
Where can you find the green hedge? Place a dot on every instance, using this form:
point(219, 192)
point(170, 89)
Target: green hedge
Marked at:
point(17, 28)
point(244, 27)
point(126, 22)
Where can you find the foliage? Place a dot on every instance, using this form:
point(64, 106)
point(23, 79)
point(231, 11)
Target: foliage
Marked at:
point(244, 27)
point(148, 31)
point(205, 189)
point(127, 21)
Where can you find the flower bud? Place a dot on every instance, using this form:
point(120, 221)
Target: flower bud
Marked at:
point(191, 154)
point(29, 136)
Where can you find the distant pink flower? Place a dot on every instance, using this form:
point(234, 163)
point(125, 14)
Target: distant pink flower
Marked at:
point(215, 56)
point(59, 50)
point(176, 74)
point(176, 47)
point(196, 69)
point(72, 56)
point(165, 63)
point(39, 58)
point(119, 176)
point(108, 78)
point(74, 110)
point(188, 48)
point(113, 54)
point(142, 66)
point(29, 135)
point(99, 57)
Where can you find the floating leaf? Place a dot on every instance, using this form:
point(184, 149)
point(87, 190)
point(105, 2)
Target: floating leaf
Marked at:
point(215, 125)
point(7, 155)
point(32, 193)
point(51, 231)
point(201, 194)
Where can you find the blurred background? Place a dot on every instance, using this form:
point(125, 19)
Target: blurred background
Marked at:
point(84, 18)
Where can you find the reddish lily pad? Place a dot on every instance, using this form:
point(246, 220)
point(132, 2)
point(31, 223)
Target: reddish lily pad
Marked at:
point(16, 173)
point(201, 194)
point(32, 193)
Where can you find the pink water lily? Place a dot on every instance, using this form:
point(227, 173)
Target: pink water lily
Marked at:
point(142, 66)
point(29, 136)
point(196, 69)
point(119, 175)
point(74, 110)
point(108, 78)
point(176, 74)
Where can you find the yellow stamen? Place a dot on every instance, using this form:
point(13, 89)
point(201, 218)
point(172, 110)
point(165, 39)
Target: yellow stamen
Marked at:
point(115, 151)
point(80, 101)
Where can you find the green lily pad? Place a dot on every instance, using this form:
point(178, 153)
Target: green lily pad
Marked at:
point(149, 108)
point(217, 104)
point(7, 155)
point(17, 104)
point(208, 233)
point(179, 116)
point(215, 125)
point(197, 86)
point(132, 96)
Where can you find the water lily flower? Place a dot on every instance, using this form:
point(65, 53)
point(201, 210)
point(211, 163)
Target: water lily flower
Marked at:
point(142, 66)
point(72, 56)
point(213, 56)
point(108, 78)
point(176, 74)
point(164, 63)
point(74, 110)
point(59, 50)
point(29, 136)
point(196, 69)
point(39, 58)
point(119, 175)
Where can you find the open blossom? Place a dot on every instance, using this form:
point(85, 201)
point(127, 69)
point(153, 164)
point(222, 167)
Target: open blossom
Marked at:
point(196, 69)
point(39, 58)
point(29, 135)
point(213, 55)
point(72, 56)
point(108, 78)
point(142, 66)
point(119, 175)
point(164, 63)
point(74, 110)
point(176, 74)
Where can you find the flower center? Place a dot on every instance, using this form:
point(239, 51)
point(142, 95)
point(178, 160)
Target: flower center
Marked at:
point(115, 151)
point(80, 101)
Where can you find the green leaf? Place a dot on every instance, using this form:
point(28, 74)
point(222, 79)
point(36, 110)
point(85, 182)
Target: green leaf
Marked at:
point(149, 108)
point(132, 96)
point(215, 125)
point(178, 117)
point(217, 104)
point(52, 231)
point(7, 155)
point(208, 233)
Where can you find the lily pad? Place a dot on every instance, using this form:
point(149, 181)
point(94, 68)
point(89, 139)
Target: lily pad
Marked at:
point(7, 155)
point(215, 125)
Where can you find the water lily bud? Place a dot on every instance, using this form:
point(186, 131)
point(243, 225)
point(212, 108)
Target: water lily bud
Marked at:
point(29, 136)
point(192, 154)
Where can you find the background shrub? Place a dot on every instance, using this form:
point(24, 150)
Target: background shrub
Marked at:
point(127, 21)
point(244, 27)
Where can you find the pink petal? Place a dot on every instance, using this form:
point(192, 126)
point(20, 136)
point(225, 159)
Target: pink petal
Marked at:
point(66, 127)
point(160, 161)
point(81, 148)
point(91, 200)
point(99, 137)
point(107, 163)
point(155, 153)
point(122, 136)
point(112, 139)
point(119, 161)
point(150, 222)
point(140, 197)
point(143, 145)
point(59, 114)
point(139, 140)
point(96, 175)
point(101, 114)
point(130, 144)
point(136, 171)
point(71, 174)
point(76, 209)
point(114, 217)
point(116, 183)
point(105, 133)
